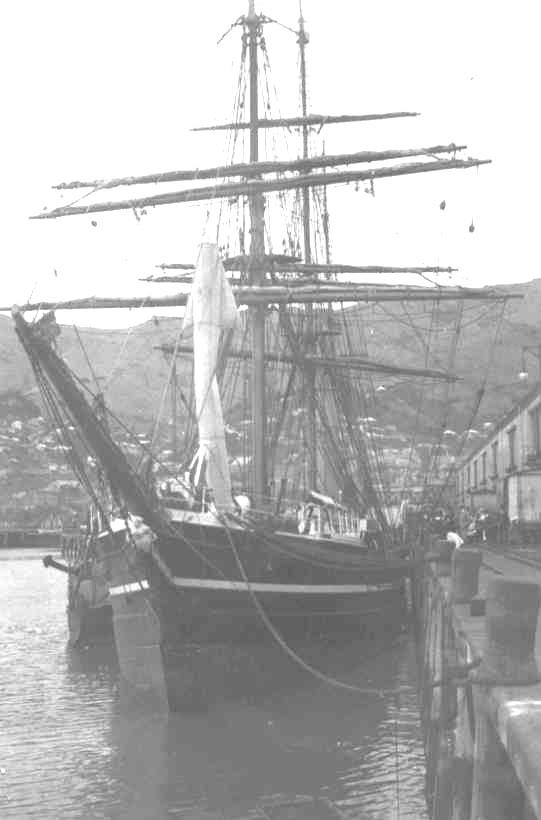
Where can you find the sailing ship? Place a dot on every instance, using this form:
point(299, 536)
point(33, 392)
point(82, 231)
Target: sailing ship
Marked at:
point(203, 564)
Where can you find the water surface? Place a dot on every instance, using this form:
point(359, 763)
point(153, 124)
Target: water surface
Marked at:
point(72, 745)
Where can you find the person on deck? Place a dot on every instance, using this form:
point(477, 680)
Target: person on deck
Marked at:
point(373, 534)
point(464, 520)
point(502, 525)
point(454, 538)
point(363, 528)
point(482, 520)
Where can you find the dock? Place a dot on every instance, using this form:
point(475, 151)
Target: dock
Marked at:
point(481, 682)
point(20, 538)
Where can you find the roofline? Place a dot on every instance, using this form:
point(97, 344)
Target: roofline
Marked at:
point(504, 421)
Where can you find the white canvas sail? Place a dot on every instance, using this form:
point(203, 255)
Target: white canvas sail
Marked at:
point(211, 309)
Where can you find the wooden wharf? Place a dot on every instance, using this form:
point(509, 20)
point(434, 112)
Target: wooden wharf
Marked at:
point(20, 538)
point(481, 682)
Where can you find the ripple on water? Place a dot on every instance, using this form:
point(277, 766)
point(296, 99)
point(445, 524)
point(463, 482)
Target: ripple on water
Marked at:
point(72, 747)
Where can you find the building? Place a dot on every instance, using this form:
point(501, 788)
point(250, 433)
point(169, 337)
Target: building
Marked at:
point(504, 471)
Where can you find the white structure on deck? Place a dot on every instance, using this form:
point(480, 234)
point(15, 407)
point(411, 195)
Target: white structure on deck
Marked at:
point(211, 309)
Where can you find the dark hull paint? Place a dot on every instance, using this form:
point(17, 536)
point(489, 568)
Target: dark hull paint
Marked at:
point(90, 626)
point(194, 638)
point(212, 646)
point(281, 557)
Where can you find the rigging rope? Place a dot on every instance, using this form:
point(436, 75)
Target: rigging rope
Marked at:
point(158, 418)
point(479, 394)
point(122, 349)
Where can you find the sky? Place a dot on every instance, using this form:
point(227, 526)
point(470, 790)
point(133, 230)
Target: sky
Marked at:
point(101, 89)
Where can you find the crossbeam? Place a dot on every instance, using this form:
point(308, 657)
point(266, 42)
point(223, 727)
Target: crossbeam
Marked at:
point(281, 294)
point(359, 363)
point(310, 120)
point(304, 270)
point(248, 169)
point(256, 187)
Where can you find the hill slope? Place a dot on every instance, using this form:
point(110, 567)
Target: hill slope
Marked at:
point(134, 372)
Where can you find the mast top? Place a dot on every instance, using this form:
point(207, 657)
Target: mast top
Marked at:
point(303, 39)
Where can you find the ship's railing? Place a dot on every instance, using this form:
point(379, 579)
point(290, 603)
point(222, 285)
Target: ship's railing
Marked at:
point(324, 518)
point(313, 518)
point(73, 546)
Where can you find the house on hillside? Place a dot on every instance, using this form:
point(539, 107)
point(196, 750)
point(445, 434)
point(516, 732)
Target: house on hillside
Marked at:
point(15, 405)
point(504, 471)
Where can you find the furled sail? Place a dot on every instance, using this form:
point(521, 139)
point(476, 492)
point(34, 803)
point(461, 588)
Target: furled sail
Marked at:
point(211, 309)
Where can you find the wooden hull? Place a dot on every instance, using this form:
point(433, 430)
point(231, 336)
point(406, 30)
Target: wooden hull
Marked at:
point(190, 649)
point(190, 636)
point(90, 625)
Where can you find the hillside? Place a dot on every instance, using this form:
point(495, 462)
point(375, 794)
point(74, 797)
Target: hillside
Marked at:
point(135, 372)
point(126, 361)
point(35, 479)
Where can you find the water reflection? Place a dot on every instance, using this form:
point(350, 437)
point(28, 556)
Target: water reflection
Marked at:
point(73, 746)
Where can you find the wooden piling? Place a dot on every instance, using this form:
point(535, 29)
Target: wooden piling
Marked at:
point(512, 608)
point(463, 759)
point(465, 567)
point(528, 812)
point(440, 554)
point(496, 791)
point(508, 659)
point(480, 765)
point(443, 787)
point(437, 780)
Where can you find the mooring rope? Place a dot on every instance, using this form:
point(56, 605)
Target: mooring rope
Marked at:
point(350, 687)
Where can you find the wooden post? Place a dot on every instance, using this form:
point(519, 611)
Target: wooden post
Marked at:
point(433, 701)
point(512, 607)
point(496, 793)
point(440, 555)
point(464, 731)
point(508, 659)
point(436, 670)
point(463, 760)
point(443, 789)
point(465, 566)
point(445, 776)
point(528, 812)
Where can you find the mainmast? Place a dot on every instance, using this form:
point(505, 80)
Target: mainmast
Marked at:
point(174, 431)
point(256, 270)
point(251, 181)
point(310, 376)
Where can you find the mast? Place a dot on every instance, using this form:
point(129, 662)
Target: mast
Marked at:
point(302, 41)
point(256, 272)
point(174, 387)
point(310, 376)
